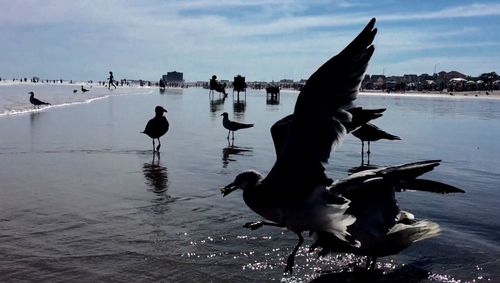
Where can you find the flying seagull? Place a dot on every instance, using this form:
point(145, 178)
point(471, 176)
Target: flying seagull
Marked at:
point(36, 102)
point(157, 127)
point(232, 126)
point(294, 194)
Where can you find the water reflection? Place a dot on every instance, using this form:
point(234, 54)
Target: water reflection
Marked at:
point(217, 104)
point(156, 176)
point(231, 149)
point(239, 106)
point(34, 116)
point(272, 100)
point(171, 91)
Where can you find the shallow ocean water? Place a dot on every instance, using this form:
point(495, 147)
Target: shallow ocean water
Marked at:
point(83, 198)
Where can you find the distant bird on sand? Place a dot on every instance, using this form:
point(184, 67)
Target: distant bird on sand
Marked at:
point(157, 127)
point(370, 133)
point(358, 213)
point(36, 102)
point(75, 91)
point(84, 89)
point(232, 126)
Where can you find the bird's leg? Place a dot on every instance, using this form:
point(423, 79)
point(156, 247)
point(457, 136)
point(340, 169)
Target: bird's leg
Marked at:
point(368, 154)
point(233, 136)
point(257, 224)
point(291, 258)
point(153, 145)
point(159, 145)
point(362, 153)
point(228, 133)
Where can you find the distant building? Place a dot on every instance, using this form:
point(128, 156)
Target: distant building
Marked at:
point(173, 77)
point(410, 78)
point(454, 74)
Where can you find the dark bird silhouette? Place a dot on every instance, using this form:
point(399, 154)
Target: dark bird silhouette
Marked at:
point(232, 126)
point(370, 133)
point(359, 117)
point(84, 89)
point(294, 194)
point(381, 228)
point(157, 127)
point(75, 91)
point(36, 102)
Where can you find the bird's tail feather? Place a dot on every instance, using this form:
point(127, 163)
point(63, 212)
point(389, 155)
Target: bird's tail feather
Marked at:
point(333, 219)
point(406, 234)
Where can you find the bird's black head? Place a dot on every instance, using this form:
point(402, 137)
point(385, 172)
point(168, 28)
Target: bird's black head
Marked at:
point(225, 114)
point(31, 93)
point(160, 110)
point(245, 179)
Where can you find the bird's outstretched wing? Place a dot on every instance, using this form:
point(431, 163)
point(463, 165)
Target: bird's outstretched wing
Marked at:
point(319, 113)
point(401, 177)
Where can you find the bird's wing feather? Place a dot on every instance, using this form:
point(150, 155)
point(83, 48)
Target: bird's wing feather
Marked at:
point(318, 114)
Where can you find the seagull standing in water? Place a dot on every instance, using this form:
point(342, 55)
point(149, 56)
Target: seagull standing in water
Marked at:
point(294, 194)
point(232, 126)
point(36, 102)
point(157, 127)
point(370, 133)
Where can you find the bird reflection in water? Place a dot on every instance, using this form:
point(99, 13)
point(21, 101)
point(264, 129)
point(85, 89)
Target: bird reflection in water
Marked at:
point(231, 149)
point(156, 176)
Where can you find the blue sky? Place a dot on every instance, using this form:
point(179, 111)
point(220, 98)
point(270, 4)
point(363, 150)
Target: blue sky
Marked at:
point(261, 39)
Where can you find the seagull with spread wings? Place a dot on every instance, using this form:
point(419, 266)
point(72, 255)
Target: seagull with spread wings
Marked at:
point(295, 194)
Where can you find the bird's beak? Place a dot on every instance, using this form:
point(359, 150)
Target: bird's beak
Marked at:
point(228, 189)
point(165, 110)
point(221, 115)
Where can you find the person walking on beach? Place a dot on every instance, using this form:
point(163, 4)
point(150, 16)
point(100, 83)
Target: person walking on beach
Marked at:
point(111, 80)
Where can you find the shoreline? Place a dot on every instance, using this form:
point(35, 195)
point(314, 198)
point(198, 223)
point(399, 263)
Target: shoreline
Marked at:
point(495, 94)
point(461, 94)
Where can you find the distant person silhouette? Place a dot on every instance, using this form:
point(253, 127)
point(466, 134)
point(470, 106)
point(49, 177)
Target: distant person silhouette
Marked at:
point(157, 127)
point(36, 102)
point(111, 80)
point(215, 85)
